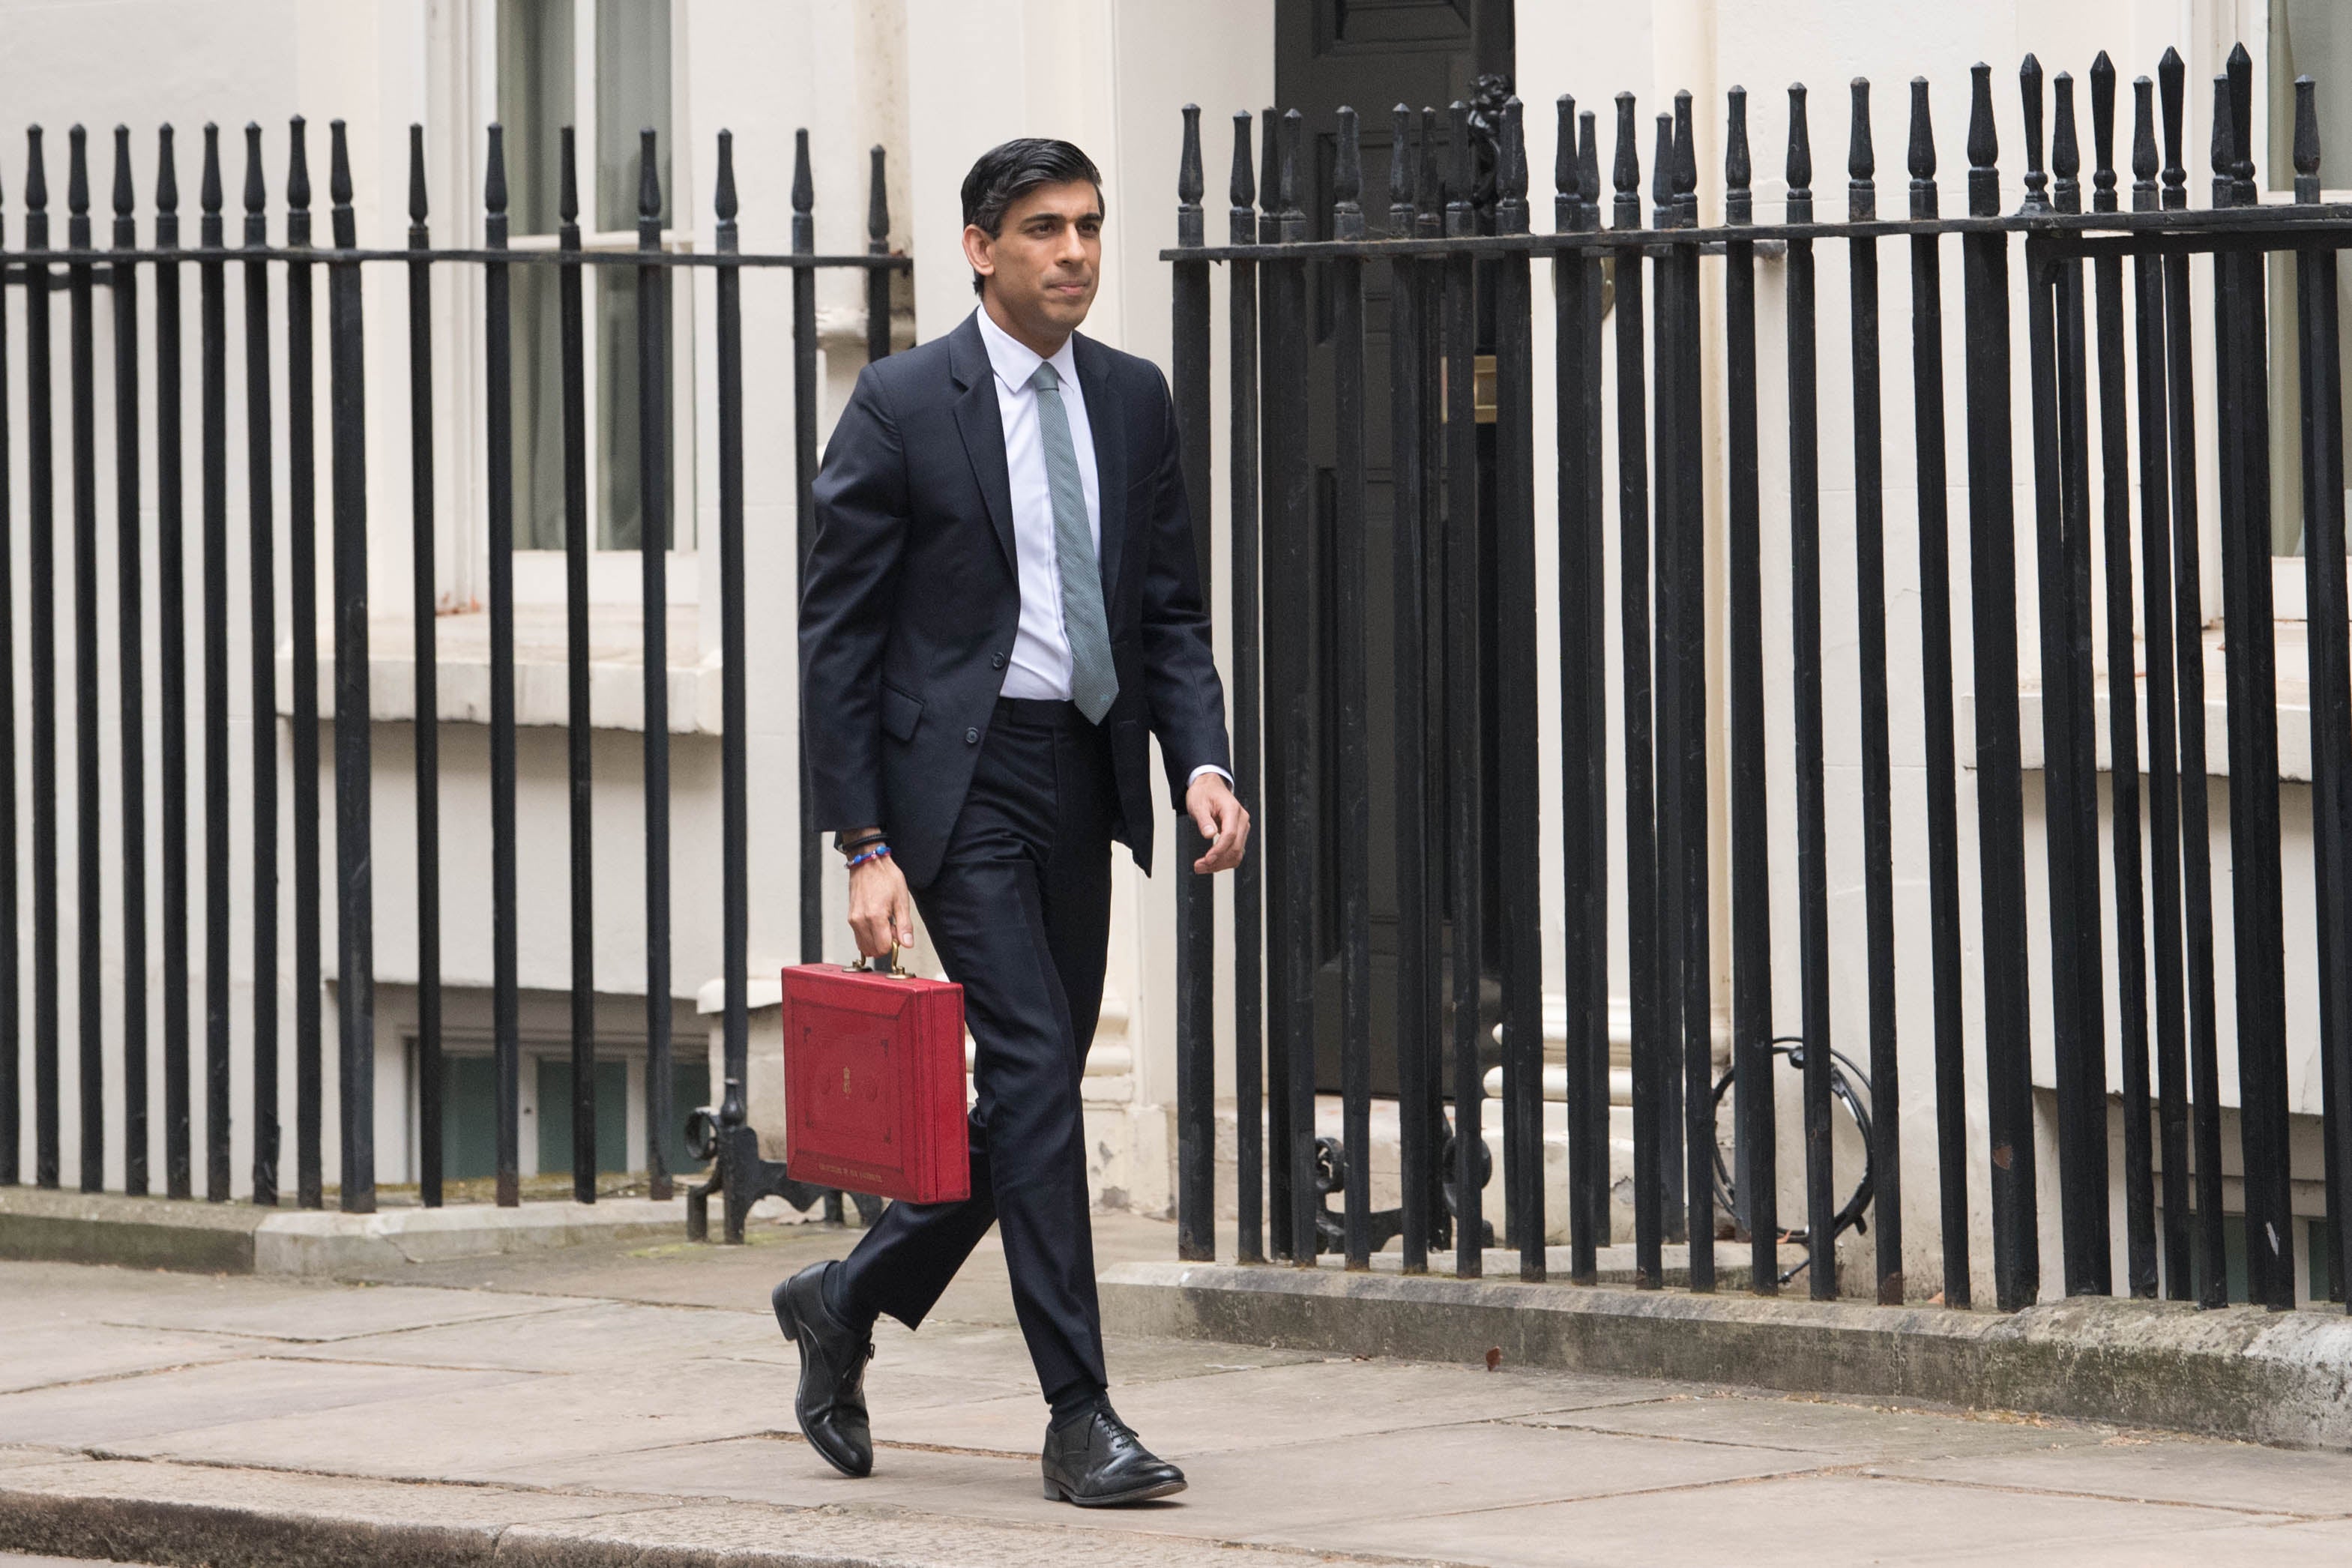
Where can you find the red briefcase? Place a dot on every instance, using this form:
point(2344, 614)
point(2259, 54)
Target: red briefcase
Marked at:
point(873, 1082)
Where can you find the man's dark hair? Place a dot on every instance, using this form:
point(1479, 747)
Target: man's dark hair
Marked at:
point(1010, 170)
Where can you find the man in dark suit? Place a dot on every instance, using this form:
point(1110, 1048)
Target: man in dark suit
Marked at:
point(1001, 607)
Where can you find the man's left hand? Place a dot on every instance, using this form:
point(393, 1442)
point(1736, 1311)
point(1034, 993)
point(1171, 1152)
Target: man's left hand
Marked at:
point(1211, 803)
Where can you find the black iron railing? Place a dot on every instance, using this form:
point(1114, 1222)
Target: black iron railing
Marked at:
point(1458, 246)
point(120, 1110)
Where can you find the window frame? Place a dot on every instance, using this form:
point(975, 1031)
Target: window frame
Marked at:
point(614, 576)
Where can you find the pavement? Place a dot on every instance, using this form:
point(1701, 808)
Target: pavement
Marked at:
point(631, 1402)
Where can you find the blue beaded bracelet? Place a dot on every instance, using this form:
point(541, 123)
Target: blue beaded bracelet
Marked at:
point(877, 853)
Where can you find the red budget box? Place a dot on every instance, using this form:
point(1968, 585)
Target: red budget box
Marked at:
point(873, 1083)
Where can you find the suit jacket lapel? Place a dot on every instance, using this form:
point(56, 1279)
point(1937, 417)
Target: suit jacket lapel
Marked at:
point(982, 425)
point(1110, 464)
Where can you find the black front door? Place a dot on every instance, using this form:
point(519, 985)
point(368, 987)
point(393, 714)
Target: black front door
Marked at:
point(1371, 55)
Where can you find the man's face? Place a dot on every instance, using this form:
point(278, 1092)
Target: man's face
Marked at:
point(1043, 265)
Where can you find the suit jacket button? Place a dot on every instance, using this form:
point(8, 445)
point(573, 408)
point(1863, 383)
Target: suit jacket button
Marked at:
point(997, 661)
point(972, 737)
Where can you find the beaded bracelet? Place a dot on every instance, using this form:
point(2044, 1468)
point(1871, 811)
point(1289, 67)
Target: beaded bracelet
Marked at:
point(852, 847)
point(877, 853)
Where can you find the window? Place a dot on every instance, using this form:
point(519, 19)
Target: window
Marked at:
point(2312, 38)
point(604, 68)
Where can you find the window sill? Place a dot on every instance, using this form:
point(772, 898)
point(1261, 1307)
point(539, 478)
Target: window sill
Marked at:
point(462, 659)
point(2293, 711)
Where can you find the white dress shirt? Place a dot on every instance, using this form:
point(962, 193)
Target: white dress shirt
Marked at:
point(1039, 666)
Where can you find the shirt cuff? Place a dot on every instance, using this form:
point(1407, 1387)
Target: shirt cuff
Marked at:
point(1194, 777)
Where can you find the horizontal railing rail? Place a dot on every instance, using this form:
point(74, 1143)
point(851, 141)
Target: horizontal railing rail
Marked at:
point(1660, 430)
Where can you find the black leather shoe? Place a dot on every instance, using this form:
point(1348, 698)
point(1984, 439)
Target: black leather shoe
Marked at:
point(1096, 1460)
point(831, 1401)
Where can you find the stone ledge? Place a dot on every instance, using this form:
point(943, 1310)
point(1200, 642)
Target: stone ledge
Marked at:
point(241, 1238)
point(41, 1225)
point(222, 1517)
point(2268, 1377)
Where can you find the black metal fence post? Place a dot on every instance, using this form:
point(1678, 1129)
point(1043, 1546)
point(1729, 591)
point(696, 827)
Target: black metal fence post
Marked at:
point(88, 847)
point(2211, 1271)
point(1465, 789)
point(1643, 958)
point(424, 613)
point(1756, 1178)
point(171, 636)
point(2131, 961)
point(653, 554)
point(734, 810)
point(213, 350)
point(1293, 482)
point(1577, 290)
point(498, 350)
point(2330, 667)
point(1517, 789)
point(805, 465)
point(1196, 972)
point(261, 609)
point(131, 673)
point(42, 672)
point(579, 738)
point(2001, 810)
point(354, 860)
point(1877, 767)
point(1249, 907)
point(2163, 756)
point(302, 610)
point(12, 1127)
point(2250, 664)
point(1812, 825)
point(1936, 705)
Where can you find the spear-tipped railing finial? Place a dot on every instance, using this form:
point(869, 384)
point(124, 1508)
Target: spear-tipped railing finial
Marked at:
point(1738, 166)
point(2028, 86)
point(339, 185)
point(1348, 179)
point(2144, 162)
point(2171, 80)
point(1799, 168)
point(1241, 218)
point(1189, 185)
point(2065, 151)
point(2103, 134)
point(2306, 140)
point(1861, 159)
point(1921, 153)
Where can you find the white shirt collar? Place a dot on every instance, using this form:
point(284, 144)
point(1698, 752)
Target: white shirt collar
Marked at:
point(1014, 361)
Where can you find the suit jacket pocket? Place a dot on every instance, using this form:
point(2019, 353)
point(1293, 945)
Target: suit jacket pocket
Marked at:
point(900, 712)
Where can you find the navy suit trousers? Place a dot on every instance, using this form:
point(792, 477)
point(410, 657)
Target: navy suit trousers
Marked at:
point(1020, 914)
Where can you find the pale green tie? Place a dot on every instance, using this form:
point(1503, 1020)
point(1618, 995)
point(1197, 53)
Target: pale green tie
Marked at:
point(1094, 682)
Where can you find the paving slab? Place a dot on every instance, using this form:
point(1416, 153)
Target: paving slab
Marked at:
point(41, 1354)
point(567, 1336)
point(321, 1314)
point(2157, 1468)
point(1797, 1521)
point(201, 1514)
point(481, 1421)
point(136, 1413)
point(1831, 1432)
point(1272, 1406)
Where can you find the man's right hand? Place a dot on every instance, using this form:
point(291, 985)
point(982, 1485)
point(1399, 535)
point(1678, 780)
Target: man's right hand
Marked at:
point(881, 911)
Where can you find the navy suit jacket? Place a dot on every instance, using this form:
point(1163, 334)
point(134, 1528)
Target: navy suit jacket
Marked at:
point(909, 598)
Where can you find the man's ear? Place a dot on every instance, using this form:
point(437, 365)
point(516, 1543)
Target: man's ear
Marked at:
point(979, 250)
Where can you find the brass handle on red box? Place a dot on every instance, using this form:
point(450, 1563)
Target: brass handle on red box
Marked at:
point(866, 966)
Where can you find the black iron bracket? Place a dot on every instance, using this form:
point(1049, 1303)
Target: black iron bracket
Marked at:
point(1384, 1225)
point(741, 1176)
